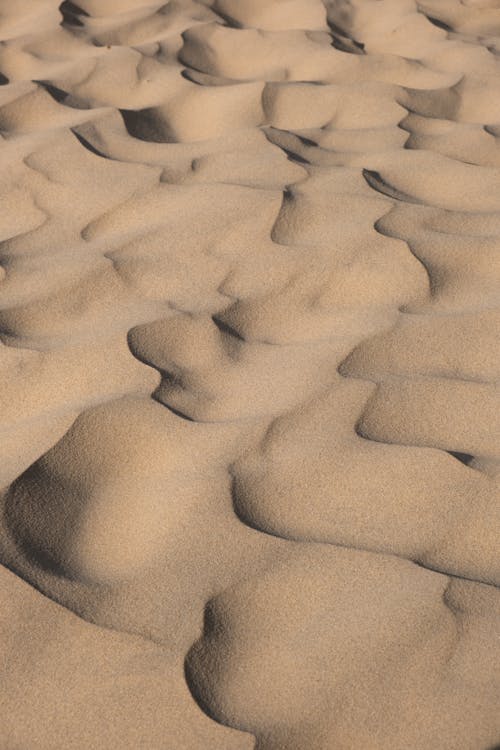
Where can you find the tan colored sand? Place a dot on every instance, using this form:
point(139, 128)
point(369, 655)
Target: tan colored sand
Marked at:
point(249, 362)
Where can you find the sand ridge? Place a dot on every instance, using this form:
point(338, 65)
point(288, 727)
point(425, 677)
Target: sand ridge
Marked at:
point(249, 292)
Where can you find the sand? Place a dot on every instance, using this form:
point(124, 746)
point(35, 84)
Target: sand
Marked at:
point(249, 360)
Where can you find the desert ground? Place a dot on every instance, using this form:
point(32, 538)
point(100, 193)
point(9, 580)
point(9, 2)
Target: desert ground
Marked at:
point(250, 375)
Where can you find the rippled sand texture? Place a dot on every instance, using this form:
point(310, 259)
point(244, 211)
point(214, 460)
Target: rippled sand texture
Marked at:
point(249, 325)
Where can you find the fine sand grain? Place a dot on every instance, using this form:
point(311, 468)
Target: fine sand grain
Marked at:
point(250, 368)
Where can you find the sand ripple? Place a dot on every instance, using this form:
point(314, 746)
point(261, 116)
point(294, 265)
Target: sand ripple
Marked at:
point(249, 336)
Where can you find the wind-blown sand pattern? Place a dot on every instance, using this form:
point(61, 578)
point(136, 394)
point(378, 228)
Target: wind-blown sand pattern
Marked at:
point(249, 325)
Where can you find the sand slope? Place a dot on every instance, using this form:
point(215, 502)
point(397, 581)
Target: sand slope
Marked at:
point(249, 349)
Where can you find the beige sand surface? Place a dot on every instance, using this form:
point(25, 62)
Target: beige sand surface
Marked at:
point(250, 367)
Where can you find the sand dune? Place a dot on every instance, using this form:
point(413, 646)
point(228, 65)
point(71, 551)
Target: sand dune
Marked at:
point(249, 336)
